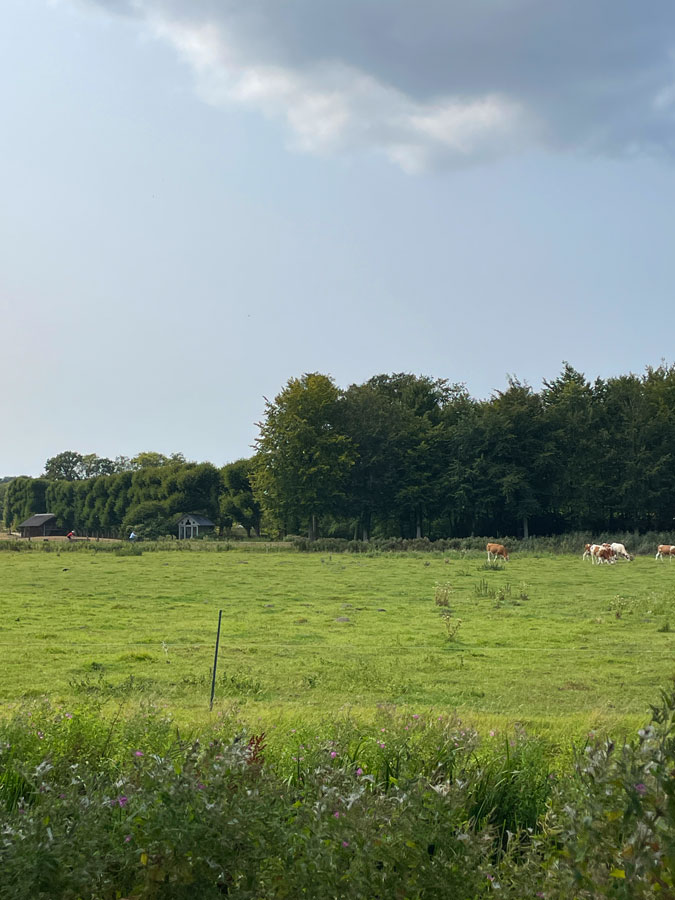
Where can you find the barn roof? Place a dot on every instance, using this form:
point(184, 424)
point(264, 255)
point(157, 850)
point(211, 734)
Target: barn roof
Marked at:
point(198, 520)
point(38, 519)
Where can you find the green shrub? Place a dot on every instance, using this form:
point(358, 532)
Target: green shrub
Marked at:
point(97, 805)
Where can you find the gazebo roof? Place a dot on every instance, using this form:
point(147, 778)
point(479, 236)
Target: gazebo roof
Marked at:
point(198, 520)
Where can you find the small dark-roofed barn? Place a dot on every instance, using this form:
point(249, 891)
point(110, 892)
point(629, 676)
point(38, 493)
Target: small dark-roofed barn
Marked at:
point(192, 526)
point(39, 525)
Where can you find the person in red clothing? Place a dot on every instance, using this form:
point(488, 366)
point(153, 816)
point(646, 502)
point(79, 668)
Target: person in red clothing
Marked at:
point(70, 535)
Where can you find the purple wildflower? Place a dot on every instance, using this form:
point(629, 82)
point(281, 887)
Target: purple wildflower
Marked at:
point(640, 788)
point(122, 801)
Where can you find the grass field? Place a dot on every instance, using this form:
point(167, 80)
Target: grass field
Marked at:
point(555, 643)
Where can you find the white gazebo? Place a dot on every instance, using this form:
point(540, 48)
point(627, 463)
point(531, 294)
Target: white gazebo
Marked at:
point(191, 526)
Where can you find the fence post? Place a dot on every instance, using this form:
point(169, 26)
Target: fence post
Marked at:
point(215, 660)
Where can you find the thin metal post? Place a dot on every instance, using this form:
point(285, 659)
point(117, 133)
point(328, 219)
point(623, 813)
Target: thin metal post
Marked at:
point(215, 660)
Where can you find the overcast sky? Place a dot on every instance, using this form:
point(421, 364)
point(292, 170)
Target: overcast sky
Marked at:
point(203, 198)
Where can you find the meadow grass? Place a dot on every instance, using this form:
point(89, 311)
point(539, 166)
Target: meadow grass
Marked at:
point(553, 643)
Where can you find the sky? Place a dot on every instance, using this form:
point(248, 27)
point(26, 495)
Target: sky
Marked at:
point(201, 199)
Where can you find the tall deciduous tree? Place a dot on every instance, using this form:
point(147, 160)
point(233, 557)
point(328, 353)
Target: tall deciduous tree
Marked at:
point(420, 402)
point(304, 461)
point(237, 502)
point(66, 466)
point(518, 454)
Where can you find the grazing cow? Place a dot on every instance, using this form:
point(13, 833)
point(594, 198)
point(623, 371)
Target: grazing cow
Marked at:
point(590, 550)
point(620, 550)
point(600, 553)
point(604, 554)
point(495, 550)
point(665, 550)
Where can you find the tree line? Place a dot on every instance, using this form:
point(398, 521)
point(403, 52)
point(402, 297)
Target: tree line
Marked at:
point(401, 455)
point(147, 494)
point(414, 456)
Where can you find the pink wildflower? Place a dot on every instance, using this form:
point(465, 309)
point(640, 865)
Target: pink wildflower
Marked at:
point(336, 814)
point(345, 843)
point(359, 771)
point(333, 754)
point(138, 753)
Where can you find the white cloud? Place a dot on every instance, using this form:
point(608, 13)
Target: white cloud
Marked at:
point(333, 107)
point(432, 83)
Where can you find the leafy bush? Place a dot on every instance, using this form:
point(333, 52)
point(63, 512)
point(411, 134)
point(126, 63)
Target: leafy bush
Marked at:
point(96, 805)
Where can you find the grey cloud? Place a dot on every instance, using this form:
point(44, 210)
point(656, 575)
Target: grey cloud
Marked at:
point(434, 82)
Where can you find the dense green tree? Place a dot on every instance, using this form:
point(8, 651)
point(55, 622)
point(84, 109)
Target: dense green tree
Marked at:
point(66, 466)
point(379, 428)
point(93, 466)
point(237, 502)
point(303, 463)
point(4, 482)
point(150, 519)
point(24, 498)
point(518, 455)
point(420, 402)
point(151, 460)
point(638, 454)
point(572, 410)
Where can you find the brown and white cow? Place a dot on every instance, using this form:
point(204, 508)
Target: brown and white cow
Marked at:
point(495, 550)
point(604, 554)
point(665, 550)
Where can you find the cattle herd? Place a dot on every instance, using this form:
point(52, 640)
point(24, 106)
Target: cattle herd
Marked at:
point(605, 553)
point(597, 553)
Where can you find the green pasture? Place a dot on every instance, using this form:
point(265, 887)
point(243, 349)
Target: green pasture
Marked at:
point(552, 642)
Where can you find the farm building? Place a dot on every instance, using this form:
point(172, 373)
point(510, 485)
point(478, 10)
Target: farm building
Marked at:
point(192, 526)
point(40, 525)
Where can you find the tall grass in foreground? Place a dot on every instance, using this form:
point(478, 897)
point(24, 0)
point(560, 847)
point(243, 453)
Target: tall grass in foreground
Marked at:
point(97, 805)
